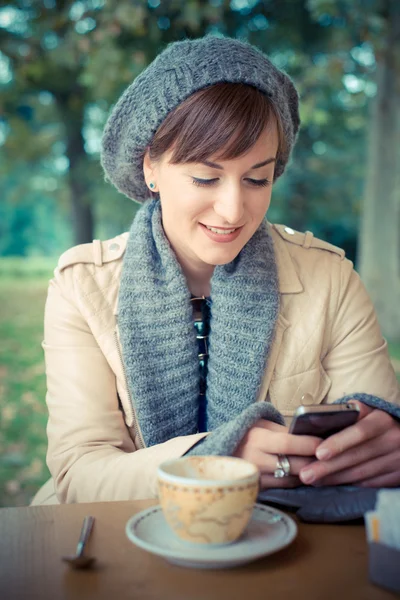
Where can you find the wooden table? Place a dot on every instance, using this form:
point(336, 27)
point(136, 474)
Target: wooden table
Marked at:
point(324, 562)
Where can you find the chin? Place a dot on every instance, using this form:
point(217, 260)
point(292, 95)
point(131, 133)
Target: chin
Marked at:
point(220, 258)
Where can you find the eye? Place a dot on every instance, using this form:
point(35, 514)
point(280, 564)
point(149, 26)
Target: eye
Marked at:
point(203, 182)
point(208, 182)
point(259, 182)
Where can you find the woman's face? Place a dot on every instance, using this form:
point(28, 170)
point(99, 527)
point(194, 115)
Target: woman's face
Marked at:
point(230, 196)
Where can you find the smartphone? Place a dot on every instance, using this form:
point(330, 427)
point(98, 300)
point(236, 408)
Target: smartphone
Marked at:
point(323, 420)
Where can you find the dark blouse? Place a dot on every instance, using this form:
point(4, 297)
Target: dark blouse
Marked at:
point(201, 319)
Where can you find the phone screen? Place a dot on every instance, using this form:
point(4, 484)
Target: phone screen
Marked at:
point(323, 424)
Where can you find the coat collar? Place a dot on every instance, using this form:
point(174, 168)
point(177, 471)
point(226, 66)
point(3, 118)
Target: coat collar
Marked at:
point(289, 282)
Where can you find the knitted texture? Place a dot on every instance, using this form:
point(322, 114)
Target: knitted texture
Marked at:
point(373, 402)
point(180, 70)
point(159, 341)
point(224, 440)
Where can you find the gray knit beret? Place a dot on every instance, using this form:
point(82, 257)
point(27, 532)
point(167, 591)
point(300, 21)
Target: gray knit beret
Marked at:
point(180, 70)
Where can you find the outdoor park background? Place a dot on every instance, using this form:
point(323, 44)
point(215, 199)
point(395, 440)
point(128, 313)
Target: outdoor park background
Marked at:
point(64, 63)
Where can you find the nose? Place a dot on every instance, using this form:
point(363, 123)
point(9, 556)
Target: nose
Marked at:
point(229, 205)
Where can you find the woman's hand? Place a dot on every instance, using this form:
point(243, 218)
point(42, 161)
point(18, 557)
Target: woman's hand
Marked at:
point(366, 453)
point(262, 444)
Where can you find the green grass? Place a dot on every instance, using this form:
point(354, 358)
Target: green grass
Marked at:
point(15, 268)
point(23, 414)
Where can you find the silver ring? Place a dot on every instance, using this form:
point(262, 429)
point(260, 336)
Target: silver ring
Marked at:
point(282, 467)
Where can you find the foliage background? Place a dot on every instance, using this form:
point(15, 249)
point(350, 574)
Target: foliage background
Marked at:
point(63, 65)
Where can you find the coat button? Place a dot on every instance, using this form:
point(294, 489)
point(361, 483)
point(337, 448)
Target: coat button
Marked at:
point(289, 230)
point(307, 399)
point(113, 247)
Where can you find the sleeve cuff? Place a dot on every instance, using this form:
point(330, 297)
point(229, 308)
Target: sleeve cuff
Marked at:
point(373, 402)
point(224, 440)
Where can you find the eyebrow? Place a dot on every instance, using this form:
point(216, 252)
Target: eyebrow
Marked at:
point(257, 166)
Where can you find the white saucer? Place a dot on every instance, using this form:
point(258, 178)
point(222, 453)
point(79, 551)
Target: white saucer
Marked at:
point(268, 531)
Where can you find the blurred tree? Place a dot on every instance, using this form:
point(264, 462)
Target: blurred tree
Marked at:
point(380, 231)
point(71, 60)
point(76, 57)
point(375, 24)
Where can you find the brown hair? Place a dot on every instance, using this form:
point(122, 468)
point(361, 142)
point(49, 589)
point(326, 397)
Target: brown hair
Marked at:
point(227, 117)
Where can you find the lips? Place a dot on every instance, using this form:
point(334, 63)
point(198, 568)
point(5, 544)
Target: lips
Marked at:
point(221, 230)
point(221, 237)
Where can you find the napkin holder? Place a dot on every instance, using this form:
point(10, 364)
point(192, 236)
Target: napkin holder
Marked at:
point(384, 563)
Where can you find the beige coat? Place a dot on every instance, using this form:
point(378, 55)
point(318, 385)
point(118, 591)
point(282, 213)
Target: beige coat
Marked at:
point(327, 344)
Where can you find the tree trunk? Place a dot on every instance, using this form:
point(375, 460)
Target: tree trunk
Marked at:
point(79, 183)
point(379, 244)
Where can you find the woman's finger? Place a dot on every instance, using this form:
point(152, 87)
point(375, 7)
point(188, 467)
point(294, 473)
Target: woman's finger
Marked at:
point(386, 480)
point(364, 409)
point(372, 425)
point(268, 463)
point(388, 464)
point(370, 449)
point(277, 442)
point(297, 463)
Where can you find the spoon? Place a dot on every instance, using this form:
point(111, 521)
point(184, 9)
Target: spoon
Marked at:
point(80, 560)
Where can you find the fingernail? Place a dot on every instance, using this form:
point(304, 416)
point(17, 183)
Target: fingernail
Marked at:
point(307, 476)
point(323, 454)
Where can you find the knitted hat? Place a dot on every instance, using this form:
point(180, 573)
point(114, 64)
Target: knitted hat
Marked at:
point(180, 70)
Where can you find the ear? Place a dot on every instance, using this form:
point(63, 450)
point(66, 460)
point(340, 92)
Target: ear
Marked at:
point(149, 170)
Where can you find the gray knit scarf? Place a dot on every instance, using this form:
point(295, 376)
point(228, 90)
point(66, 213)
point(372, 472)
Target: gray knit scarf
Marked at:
point(158, 337)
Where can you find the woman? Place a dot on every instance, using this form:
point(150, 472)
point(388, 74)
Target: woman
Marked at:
point(280, 317)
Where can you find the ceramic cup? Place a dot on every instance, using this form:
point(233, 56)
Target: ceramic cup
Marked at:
point(207, 499)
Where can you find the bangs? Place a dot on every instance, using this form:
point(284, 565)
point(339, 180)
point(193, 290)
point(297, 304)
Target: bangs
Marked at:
point(224, 120)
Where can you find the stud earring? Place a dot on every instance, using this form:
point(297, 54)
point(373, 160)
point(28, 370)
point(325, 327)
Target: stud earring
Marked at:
point(152, 186)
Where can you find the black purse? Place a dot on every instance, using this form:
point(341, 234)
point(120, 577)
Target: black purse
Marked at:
point(330, 504)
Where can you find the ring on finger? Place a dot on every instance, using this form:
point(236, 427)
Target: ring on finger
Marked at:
point(282, 467)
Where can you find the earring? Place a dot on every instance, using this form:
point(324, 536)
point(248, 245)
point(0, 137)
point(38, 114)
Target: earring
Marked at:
point(152, 186)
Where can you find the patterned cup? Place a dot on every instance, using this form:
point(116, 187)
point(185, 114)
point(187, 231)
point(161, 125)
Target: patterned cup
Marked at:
point(207, 499)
